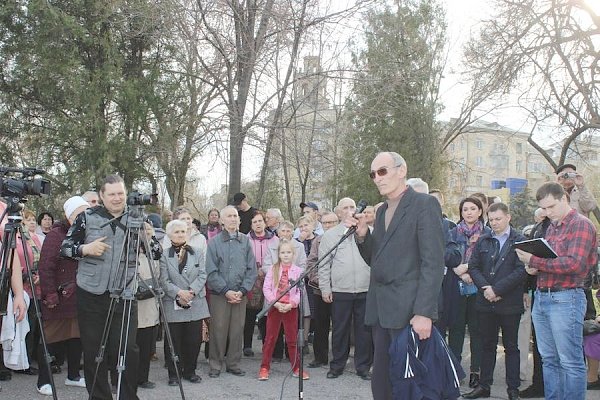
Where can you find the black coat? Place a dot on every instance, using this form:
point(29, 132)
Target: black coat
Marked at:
point(407, 262)
point(500, 268)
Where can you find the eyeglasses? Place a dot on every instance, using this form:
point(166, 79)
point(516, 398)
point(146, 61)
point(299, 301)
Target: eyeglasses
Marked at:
point(329, 222)
point(383, 171)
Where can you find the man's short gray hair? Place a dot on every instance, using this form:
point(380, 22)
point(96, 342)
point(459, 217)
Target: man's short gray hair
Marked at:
point(276, 212)
point(174, 224)
point(227, 208)
point(419, 185)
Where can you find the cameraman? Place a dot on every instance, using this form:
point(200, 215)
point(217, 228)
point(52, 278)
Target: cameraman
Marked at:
point(582, 199)
point(97, 247)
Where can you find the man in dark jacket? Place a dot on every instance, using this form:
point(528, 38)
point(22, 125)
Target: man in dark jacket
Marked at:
point(499, 276)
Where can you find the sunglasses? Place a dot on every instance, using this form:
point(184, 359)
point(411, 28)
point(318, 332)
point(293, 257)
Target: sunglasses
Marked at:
point(381, 172)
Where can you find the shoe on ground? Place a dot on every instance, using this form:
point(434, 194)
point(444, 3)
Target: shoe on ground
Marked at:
point(147, 385)
point(473, 380)
point(173, 382)
point(477, 393)
point(236, 371)
point(315, 364)
point(79, 382)
point(263, 374)
point(532, 392)
point(28, 371)
point(333, 374)
point(193, 378)
point(513, 394)
point(214, 373)
point(365, 376)
point(5, 375)
point(248, 352)
point(56, 369)
point(46, 390)
point(305, 375)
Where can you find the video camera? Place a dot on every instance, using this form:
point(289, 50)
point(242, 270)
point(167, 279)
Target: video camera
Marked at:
point(24, 185)
point(140, 199)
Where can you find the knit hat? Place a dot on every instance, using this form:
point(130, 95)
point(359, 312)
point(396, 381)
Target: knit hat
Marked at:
point(73, 204)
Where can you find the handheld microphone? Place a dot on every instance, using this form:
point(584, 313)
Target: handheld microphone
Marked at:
point(360, 207)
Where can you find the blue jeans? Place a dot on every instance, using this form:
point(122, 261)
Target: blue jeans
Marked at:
point(558, 320)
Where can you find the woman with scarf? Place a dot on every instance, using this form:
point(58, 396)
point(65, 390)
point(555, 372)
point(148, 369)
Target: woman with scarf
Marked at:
point(260, 239)
point(182, 277)
point(213, 227)
point(465, 234)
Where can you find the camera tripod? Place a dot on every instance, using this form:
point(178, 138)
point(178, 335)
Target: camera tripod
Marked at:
point(123, 291)
point(12, 230)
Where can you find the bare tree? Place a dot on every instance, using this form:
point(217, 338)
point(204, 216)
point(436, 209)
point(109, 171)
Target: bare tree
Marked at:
point(546, 53)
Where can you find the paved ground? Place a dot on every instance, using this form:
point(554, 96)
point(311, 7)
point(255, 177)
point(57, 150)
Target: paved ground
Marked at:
point(227, 386)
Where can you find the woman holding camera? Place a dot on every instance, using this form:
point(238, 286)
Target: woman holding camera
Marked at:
point(182, 277)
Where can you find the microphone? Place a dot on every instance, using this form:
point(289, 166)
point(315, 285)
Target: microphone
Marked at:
point(360, 207)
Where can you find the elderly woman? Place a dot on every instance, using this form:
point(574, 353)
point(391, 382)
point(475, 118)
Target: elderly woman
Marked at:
point(59, 311)
point(182, 277)
point(45, 222)
point(193, 237)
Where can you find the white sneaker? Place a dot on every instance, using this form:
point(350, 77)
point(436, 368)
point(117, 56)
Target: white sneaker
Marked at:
point(79, 383)
point(46, 390)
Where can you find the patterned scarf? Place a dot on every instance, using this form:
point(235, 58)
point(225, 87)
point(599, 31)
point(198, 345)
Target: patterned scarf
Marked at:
point(181, 251)
point(463, 229)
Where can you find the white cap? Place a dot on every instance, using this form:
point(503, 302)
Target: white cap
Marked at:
point(73, 204)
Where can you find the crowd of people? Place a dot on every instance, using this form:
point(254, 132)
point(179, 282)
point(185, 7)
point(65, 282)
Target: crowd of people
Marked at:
point(401, 264)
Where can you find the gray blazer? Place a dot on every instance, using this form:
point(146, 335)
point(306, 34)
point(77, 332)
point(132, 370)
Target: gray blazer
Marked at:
point(193, 278)
point(407, 262)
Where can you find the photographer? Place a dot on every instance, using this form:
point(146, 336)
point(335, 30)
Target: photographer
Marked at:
point(582, 199)
point(97, 246)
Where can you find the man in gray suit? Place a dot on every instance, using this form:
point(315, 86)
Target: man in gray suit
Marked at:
point(406, 255)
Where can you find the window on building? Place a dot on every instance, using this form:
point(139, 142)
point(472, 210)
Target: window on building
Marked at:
point(479, 162)
point(519, 148)
point(479, 180)
point(519, 166)
point(479, 144)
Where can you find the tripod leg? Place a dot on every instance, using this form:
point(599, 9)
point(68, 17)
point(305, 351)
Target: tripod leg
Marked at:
point(126, 359)
point(36, 305)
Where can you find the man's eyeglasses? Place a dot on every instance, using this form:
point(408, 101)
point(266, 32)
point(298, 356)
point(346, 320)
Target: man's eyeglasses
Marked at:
point(383, 171)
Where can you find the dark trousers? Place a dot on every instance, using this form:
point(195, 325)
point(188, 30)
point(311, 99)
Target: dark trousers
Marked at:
point(145, 339)
point(381, 387)
point(490, 325)
point(249, 327)
point(92, 312)
point(72, 349)
point(322, 322)
point(466, 316)
point(345, 306)
point(33, 337)
point(276, 320)
point(186, 342)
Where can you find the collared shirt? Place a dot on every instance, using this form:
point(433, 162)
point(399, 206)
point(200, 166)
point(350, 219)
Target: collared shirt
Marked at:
point(574, 240)
point(503, 237)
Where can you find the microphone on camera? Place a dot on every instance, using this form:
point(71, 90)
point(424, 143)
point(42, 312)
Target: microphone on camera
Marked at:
point(360, 207)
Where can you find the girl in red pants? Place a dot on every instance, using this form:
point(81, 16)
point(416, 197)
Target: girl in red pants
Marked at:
point(285, 311)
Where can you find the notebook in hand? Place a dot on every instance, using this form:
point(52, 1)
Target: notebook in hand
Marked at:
point(538, 247)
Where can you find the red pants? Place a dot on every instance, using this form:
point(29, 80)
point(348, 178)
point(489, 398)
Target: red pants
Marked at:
point(290, 327)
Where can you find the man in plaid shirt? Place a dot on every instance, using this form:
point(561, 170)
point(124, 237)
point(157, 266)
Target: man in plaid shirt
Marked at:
point(559, 309)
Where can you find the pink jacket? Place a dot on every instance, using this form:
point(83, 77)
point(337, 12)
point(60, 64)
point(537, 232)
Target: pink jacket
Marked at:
point(270, 292)
point(260, 246)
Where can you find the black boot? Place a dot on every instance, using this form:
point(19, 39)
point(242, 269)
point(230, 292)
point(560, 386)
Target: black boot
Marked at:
point(532, 392)
point(474, 380)
point(513, 394)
